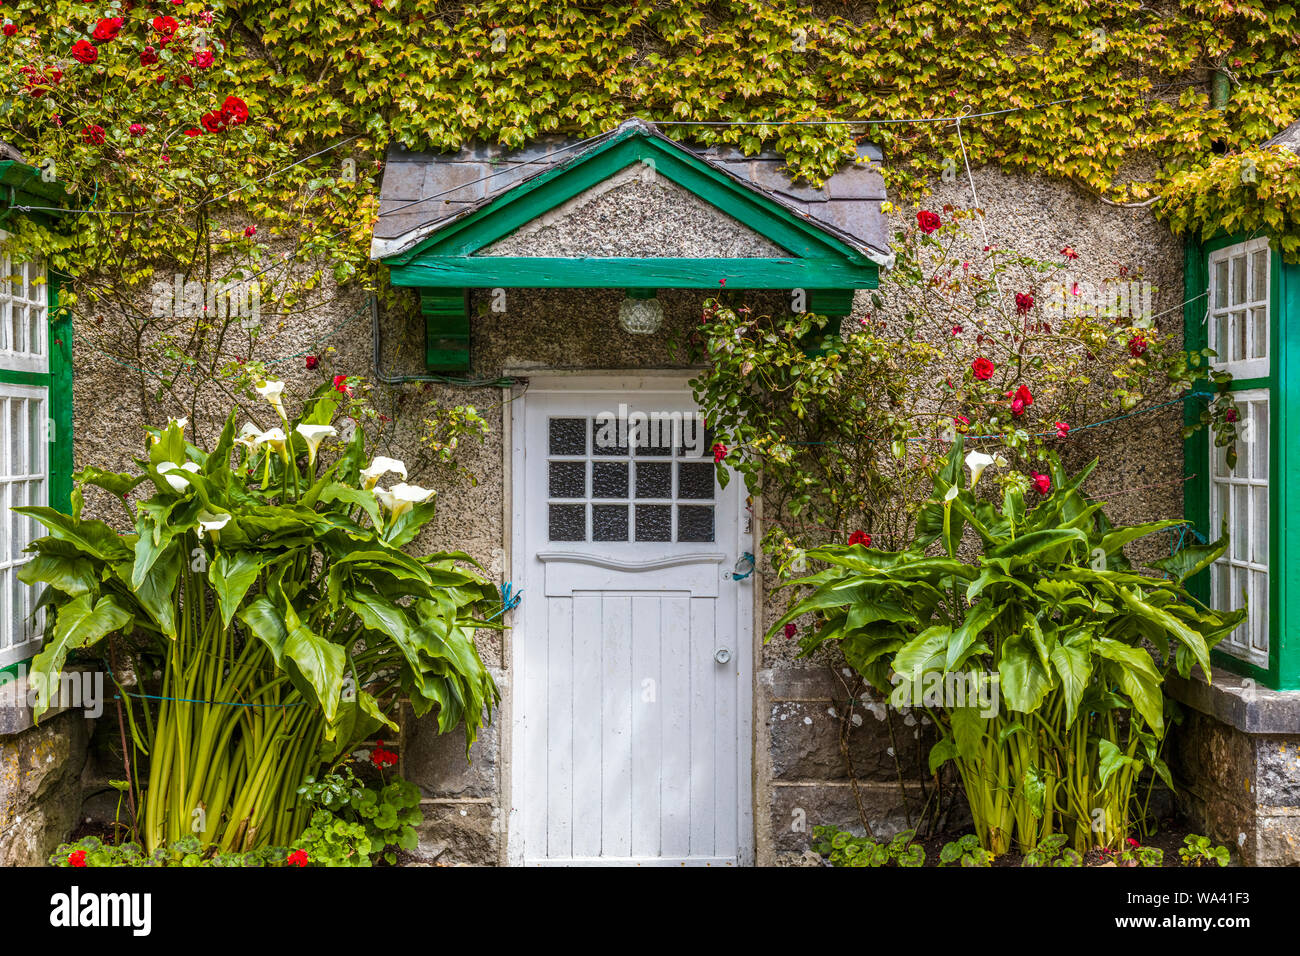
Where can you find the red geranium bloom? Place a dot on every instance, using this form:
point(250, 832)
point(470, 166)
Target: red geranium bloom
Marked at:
point(148, 56)
point(1137, 345)
point(927, 221)
point(1062, 429)
point(166, 26)
point(297, 858)
point(83, 51)
point(341, 384)
point(235, 110)
point(202, 59)
point(382, 758)
point(312, 361)
point(1069, 252)
point(719, 452)
point(1042, 483)
point(94, 135)
point(1024, 302)
point(860, 537)
point(77, 858)
point(250, 232)
point(790, 631)
point(982, 368)
point(108, 28)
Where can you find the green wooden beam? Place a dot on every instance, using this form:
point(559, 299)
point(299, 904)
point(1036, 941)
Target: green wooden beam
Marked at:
point(512, 272)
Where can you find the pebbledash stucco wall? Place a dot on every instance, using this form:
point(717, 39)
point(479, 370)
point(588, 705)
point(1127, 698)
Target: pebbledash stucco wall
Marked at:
point(800, 776)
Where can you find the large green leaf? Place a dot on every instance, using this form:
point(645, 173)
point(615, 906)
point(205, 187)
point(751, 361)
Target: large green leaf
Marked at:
point(1072, 659)
point(977, 619)
point(117, 483)
point(1024, 680)
point(67, 574)
point(1161, 618)
point(317, 660)
point(93, 538)
point(232, 573)
point(156, 591)
point(79, 624)
point(1191, 560)
point(923, 652)
point(266, 622)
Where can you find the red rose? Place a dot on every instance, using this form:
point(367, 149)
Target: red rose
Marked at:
point(107, 28)
point(297, 858)
point(10, 29)
point(1022, 399)
point(213, 122)
point(186, 81)
point(165, 26)
point(83, 51)
point(1062, 429)
point(1024, 302)
point(719, 452)
point(148, 56)
point(962, 423)
point(927, 221)
point(193, 132)
point(1137, 345)
point(341, 384)
point(202, 59)
point(77, 858)
point(1042, 483)
point(235, 110)
point(94, 135)
point(250, 232)
point(312, 361)
point(860, 537)
point(790, 631)
point(982, 368)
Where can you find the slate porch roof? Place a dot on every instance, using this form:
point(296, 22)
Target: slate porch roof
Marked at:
point(423, 192)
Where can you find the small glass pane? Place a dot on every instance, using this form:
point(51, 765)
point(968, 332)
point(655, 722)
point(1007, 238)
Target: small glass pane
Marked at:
point(20, 328)
point(695, 444)
point(1259, 276)
point(568, 436)
point(18, 608)
point(1259, 332)
point(568, 522)
point(17, 436)
point(1237, 327)
point(1259, 528)
point(695, 480)
point(1221, 504)
point(607, 431)
point(1238, 592)
point(568, 479)
point(1259, 610)
point(1220, 343)
point(654, 479)
point(4, 608)
point(694, 523)
point(1258, 446)
point(1219, 455)
point(1221, 283)
point(17, 498)
point(36, 440)
point(1221, 585)
point(1238, 280)
point(654, 523)
point(658, 443)
point(609, 522)
point(609, 479)
point(1239, 527)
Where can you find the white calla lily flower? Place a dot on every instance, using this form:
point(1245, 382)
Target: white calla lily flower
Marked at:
point(402, 498)
point(212, 524)
point(248, 436)
point(272, 392)
point(977, 461)
point(380, 467)
point(313, 435)
point(178, 484)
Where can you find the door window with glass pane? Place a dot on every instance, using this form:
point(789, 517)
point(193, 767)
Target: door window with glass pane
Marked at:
point(1238, 310)
point(24, 446)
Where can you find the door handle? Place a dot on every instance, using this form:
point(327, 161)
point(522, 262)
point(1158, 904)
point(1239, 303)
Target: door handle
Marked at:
point(722, 655)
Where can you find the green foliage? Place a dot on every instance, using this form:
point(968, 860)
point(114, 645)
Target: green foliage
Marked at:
point(1200, 850)
point(260, 574)
point(1040, 660)
point(1052, 851)
point(965, 851)
point(842, 848)
point(188, 851)
point(388, 815)
point(333, 841)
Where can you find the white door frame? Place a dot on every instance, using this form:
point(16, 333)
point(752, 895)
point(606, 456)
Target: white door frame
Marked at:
point(625, 383)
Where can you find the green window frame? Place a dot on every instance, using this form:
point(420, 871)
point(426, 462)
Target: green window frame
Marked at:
point(23, 379)
point(1280, 669)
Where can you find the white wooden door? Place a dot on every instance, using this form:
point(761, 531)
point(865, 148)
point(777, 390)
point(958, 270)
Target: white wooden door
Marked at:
point(632, 648)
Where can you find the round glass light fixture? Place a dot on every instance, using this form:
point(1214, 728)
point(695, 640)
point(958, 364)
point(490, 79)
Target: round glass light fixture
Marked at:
point(640, 312)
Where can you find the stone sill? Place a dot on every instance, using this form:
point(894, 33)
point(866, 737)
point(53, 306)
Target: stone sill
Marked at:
point(15, 713)
point(1240, 703)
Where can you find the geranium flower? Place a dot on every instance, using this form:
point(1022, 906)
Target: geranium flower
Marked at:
point(341, 385)
point(378, 468)
point(108, 28)
point(790, 631)
point(1137, 345)
point(382, 758)
point(1062, 429)
point(94, 135)
point(402, 498)
point(860, 537)
point(927, 221)
point(982, 368)
point(83, 51)
point(977, 461)
point(250, 232)
point(138, 129)
point(1232, 416)
point(1041, 482)
point(1024, 302)
point(719, 452)
point(77, 858)
point(297, 858)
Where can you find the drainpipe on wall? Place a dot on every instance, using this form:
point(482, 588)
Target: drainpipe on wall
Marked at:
point(381, 376)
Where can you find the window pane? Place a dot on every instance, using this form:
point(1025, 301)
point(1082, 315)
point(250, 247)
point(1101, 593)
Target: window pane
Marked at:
point(1240, 522)
point(1220, 456)
point(654, 479)
point(695, 480)
point(1259, 276)
point(654, 523)
point(1259, 611)
point(1219, 341)
point(609, 523)
point(694, 523)
point(1259, 529)
point(1221, 585)
point(568, 522)
point(568, 479)
point(1258, 447)
point(1221, 505)
point(609, 479)
point(36, 437)
point(1221, 283)
point(1237, 330)
point(1238, 280)
point(568, 436)
point(1259, 332)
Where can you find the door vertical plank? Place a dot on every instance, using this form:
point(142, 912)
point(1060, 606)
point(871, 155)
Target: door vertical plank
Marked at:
point(675, 710)
point(726, 783)
point(534, 678)
point(616, 737)
point(646, 752)
point(559, 721)
point(702, 667)
point(587, 694)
